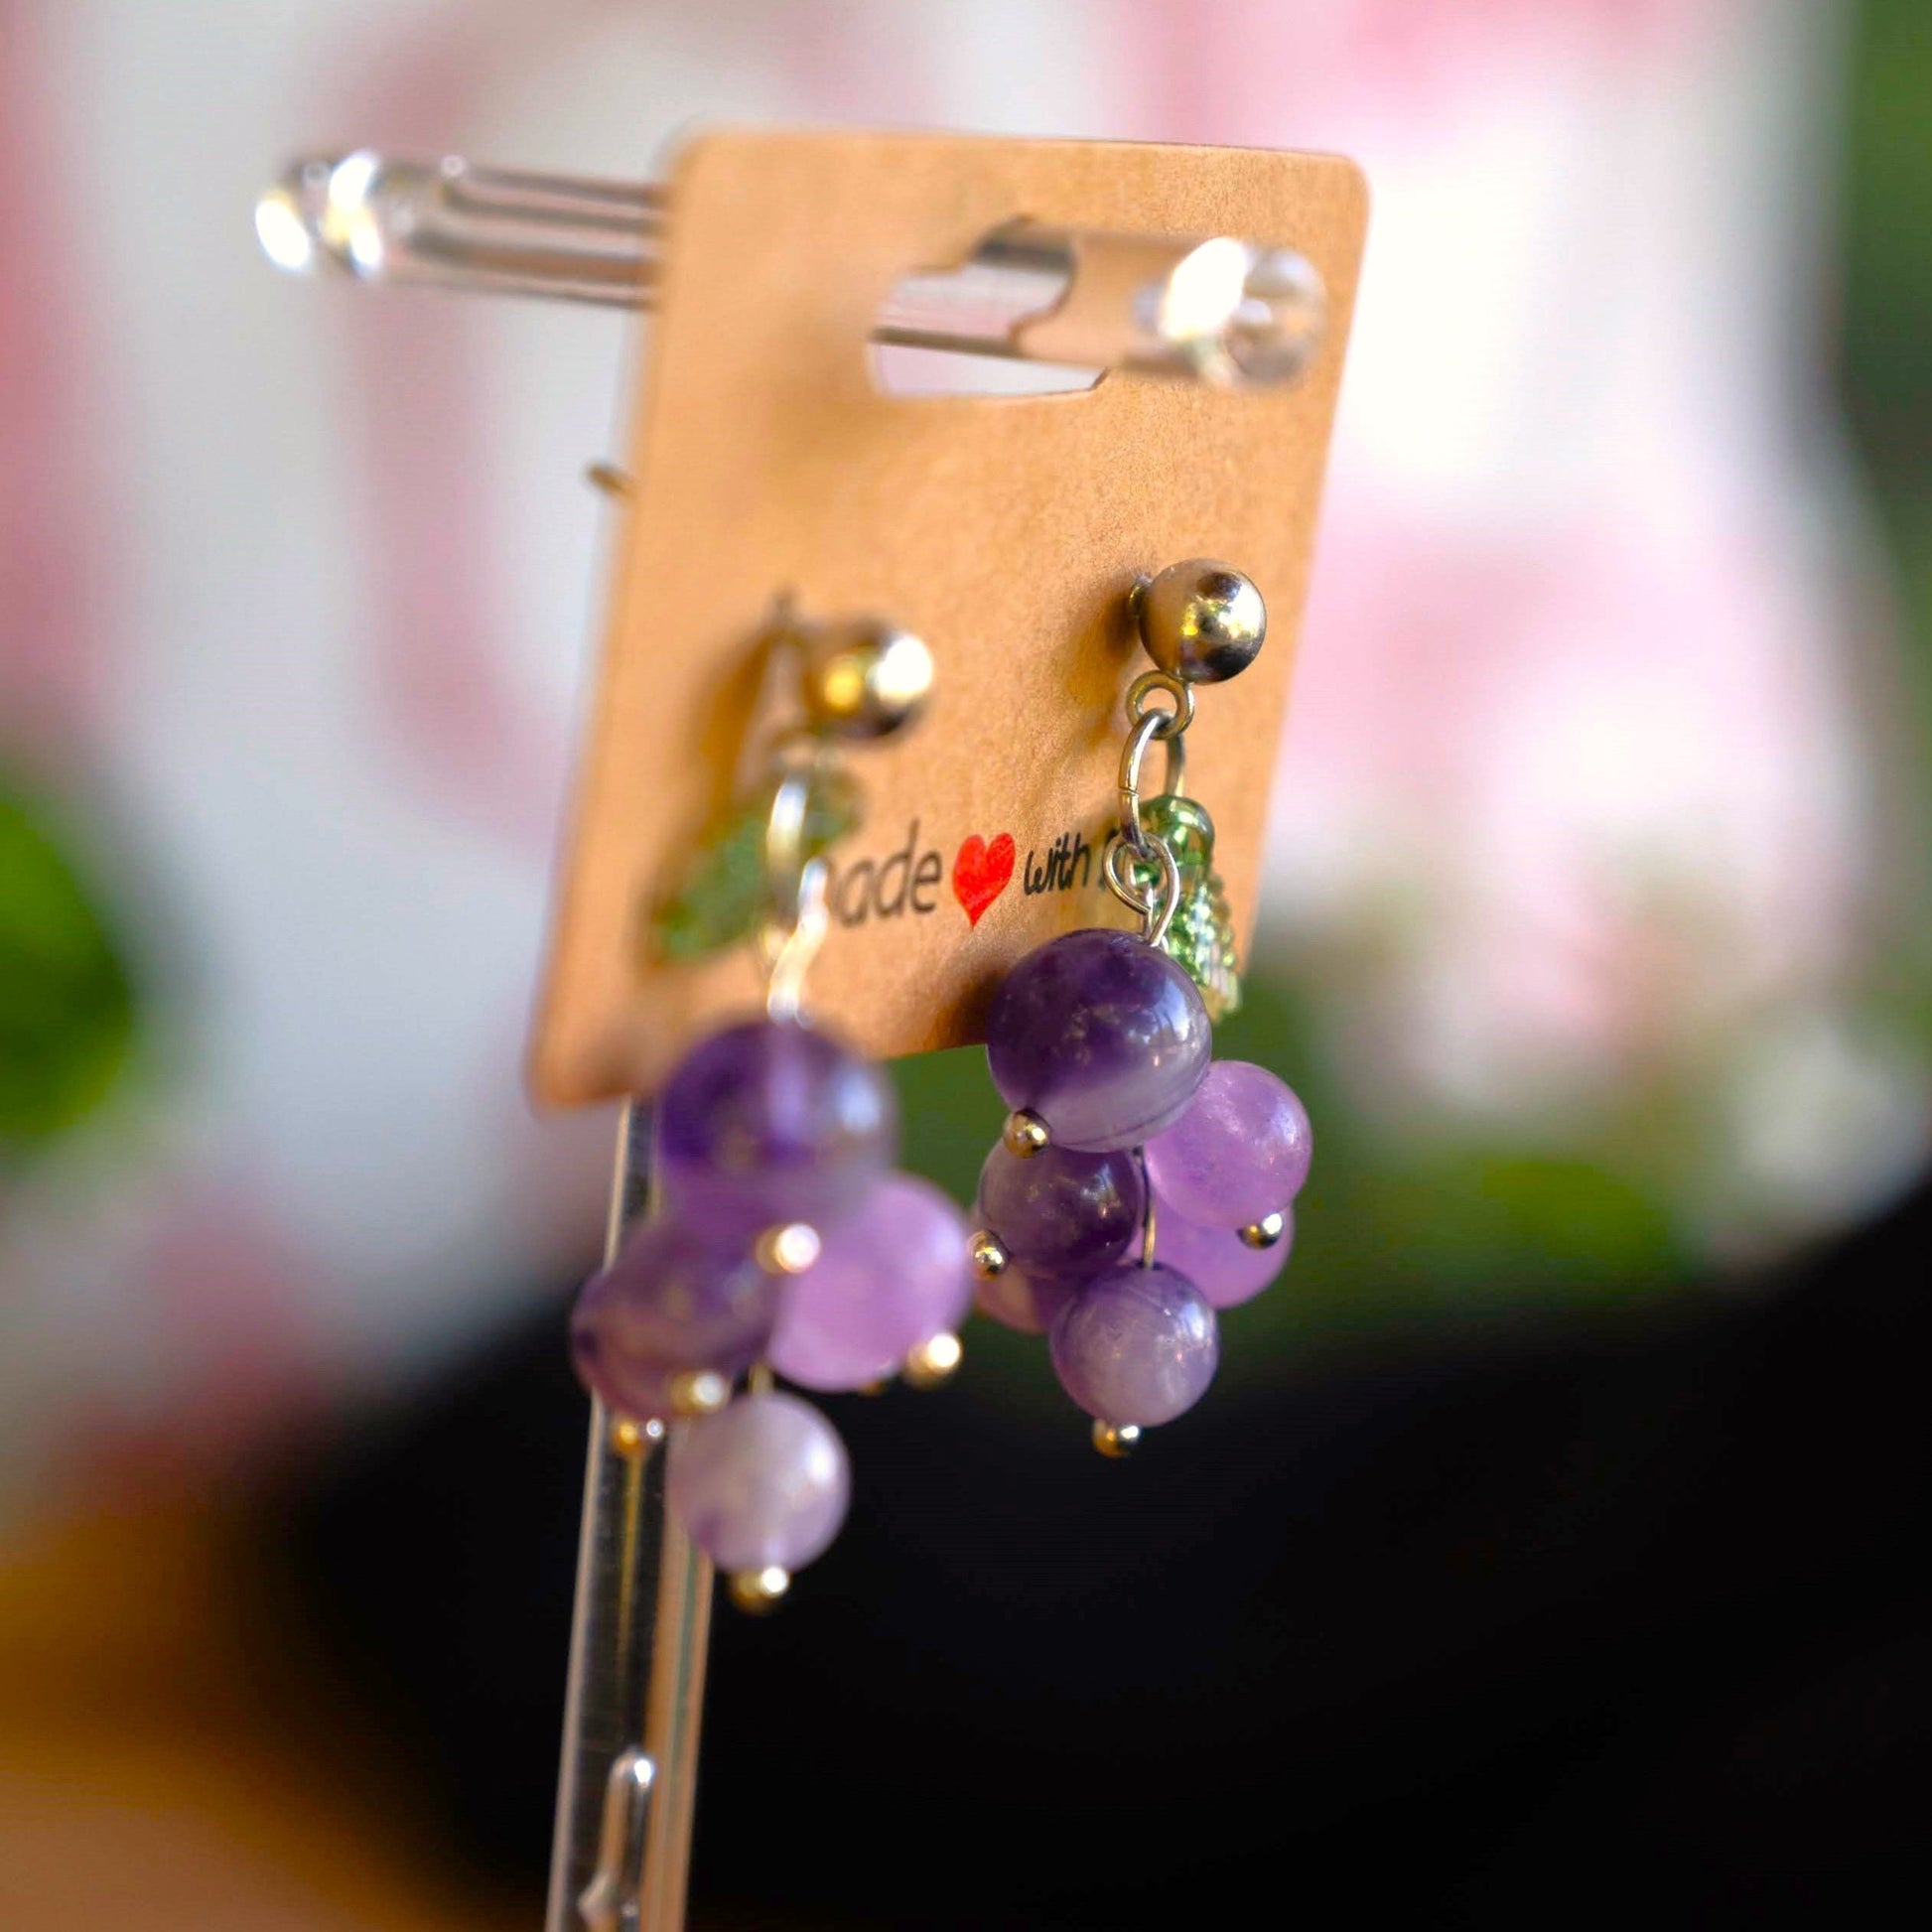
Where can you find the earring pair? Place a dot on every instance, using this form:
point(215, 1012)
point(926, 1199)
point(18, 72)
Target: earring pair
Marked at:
point(1138, 1186)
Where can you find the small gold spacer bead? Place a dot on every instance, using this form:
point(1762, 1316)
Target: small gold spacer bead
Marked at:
point(935, 1361)
point(759, 1591)
point(787, 1249)
point(698, 1392)
point(631, 1438)
point(1265, 1232)
point(1115, 1439)
point(1025, 1133)
point(988, 1257)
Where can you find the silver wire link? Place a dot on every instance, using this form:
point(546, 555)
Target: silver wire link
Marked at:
point(788, 951)
point(1150, 1231)
point(1150, 730)
point(1149, 724)
point(1156, 907)
point(794, 927)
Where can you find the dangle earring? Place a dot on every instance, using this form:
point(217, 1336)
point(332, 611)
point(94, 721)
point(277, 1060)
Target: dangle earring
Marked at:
point(1139, 1185)
point(778, 1238)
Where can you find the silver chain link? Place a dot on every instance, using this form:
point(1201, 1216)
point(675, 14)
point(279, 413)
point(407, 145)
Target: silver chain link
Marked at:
point(1131, 840)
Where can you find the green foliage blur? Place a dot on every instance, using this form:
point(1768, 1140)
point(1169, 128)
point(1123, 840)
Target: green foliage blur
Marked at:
point(1884, 368)
point(66, 1003)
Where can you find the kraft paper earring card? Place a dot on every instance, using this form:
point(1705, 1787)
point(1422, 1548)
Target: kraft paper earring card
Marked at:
point(772, 470)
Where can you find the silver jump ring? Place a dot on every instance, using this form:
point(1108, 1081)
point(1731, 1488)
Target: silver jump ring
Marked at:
point(1176, 719)
point(1128, 782)
point(1146, 729)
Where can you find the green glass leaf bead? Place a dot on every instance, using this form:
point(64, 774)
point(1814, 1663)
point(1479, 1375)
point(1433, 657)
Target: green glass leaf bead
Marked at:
point(1200, 940)
point(1200, 935)
point(1185, 828)
point(722, 897)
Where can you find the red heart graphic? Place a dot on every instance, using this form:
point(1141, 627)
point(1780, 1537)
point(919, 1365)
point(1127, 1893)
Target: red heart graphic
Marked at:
point(981, 871)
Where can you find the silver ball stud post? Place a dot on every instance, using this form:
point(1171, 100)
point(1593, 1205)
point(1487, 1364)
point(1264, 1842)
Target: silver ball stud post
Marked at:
point(862, 678)
point(1202, 621)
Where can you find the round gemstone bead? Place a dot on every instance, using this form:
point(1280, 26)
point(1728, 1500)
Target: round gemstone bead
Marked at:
point(1137, 1346)
point(1101, 1036)
point(763, 1482)
point(889, 1274)
point(1061, 1213)
point(772, 1121)
point(1025, 1303)
point(1238, 1153)
point(674, 1299)
point(1217, 1260)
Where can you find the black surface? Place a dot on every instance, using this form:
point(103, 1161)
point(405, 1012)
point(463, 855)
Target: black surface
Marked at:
point(1556, 1627)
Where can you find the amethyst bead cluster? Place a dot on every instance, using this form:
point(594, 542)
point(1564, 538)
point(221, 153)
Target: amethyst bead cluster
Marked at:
point(1140, 1185)
point(779, 1236)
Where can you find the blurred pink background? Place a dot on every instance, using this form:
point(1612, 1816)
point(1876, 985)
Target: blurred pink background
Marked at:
point(1592, 788)
point(1596, 867)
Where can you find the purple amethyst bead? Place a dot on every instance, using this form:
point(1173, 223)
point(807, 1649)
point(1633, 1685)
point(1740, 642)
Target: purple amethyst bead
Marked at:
point(1060, 1212)
point(763, 1482)
point(674, 1299)
point(1240, 1151)
point(891, 1274)
point(1024, 1303)
point(1139, 1345)
point(772, 1121)
point(1099, 1034)
point(1217, 1260)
